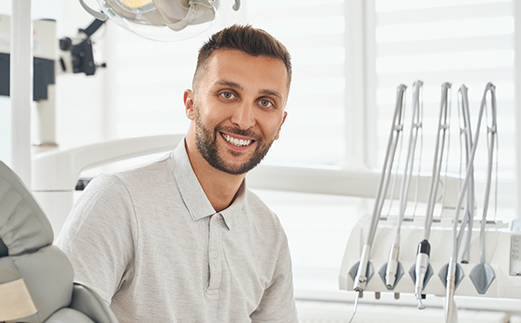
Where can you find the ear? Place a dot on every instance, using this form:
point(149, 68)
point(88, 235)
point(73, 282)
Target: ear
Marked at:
point(280, 127)
point(189, 101)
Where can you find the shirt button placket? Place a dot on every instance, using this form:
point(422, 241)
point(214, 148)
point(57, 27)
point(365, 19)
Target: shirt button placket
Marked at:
point(214, 250)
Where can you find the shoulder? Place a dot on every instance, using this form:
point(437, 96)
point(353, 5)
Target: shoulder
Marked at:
point(112, 197)
point(104, 202)
point(150, 172)
point(132, 181)
point(263, 218)
point(255, 205)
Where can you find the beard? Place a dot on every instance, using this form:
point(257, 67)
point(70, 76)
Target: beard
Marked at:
point(207, 145)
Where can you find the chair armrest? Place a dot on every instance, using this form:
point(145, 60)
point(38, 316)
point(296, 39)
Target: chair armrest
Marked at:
point(88, 302)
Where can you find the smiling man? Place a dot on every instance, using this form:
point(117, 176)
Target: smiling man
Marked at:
point(237, 109)
point(182, 239)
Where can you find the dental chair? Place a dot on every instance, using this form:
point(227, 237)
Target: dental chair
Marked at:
point(36, 278)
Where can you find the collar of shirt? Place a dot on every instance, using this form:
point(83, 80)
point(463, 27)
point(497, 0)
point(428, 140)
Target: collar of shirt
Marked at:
point(193, 195)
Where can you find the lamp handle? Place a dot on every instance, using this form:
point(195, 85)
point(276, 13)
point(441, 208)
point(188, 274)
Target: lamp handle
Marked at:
point(96, 14)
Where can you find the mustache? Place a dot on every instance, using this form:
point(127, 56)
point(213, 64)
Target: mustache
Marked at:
point(240, 132)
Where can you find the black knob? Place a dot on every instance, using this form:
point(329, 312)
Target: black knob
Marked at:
point(65, 44)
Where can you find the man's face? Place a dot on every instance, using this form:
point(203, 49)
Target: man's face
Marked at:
point(237, 109)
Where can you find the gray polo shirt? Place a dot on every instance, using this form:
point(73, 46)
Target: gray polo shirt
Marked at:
point(150, 243)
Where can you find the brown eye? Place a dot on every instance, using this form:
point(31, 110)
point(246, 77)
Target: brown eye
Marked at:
point(265, 103)
point(227, 95)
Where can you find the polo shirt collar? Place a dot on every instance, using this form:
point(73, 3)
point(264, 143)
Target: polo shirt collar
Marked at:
point(193, 194)
point(233, 213)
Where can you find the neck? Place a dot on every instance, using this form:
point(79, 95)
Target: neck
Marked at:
point(220, 187)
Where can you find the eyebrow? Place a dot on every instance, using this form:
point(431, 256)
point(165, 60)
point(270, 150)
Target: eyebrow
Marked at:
point(272, 93)
point(239, 87)
point(230, 84)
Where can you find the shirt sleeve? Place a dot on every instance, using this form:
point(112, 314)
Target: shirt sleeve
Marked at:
point(98, 236)
point(278, 304)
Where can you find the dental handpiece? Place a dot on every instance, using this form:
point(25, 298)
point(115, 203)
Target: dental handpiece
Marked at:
point(422, 264)
point(392, 264)
point(451, 288)
point(361, 277)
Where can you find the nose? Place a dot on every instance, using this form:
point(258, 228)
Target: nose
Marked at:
point(244, 116)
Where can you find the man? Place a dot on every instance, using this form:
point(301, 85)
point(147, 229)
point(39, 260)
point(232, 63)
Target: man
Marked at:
point(182, 239)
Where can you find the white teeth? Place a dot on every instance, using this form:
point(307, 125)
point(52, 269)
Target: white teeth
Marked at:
point(236, 142)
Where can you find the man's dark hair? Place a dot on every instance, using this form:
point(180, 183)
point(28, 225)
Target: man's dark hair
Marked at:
point(253, 41)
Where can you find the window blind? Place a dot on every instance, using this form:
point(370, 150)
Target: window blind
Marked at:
point(467, 42)
point(461, 42)
point(313, 32)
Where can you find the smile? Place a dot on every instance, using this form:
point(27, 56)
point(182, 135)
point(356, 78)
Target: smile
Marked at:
point(235, 141)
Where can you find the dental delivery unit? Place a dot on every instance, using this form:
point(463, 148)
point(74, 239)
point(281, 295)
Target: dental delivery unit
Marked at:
point(441, 252)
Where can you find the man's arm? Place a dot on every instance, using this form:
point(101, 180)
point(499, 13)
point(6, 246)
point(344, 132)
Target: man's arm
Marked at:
point(278, 304)
point(98, 236)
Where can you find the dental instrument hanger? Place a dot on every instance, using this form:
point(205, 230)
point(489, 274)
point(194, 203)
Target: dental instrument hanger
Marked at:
point(363, 270)
point(467, 221)
point(451, 278)
point(422, 271)
point(482, 274)
point(392, 271)
point(441, 141)
point(466, 132)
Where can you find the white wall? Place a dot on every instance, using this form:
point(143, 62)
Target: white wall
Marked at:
point(80, 106)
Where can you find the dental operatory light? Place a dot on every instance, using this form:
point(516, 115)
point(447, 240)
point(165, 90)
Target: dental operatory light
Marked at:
point(163, 20)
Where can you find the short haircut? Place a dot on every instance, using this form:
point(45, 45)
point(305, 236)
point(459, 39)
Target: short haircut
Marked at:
point(253, 41)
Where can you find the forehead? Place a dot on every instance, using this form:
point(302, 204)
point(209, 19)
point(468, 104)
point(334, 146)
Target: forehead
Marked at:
point(247, 70)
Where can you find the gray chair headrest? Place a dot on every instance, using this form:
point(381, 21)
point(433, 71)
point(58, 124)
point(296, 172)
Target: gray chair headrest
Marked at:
point(23, 225)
